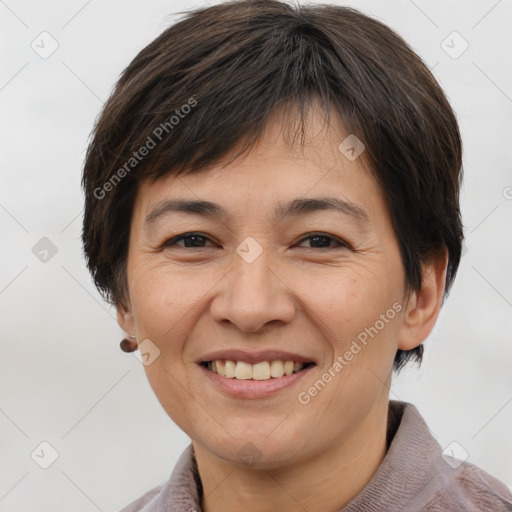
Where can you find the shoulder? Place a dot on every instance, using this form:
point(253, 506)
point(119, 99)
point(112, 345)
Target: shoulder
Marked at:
point(471, 488)
point(145, 503)
point(180, 492)
point(436, 481)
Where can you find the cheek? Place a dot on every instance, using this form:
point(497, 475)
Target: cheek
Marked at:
point(357, 315)
point(163, 306)
point(161, 310)
point(162, 297)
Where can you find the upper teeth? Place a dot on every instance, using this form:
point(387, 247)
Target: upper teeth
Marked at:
point(258, 371)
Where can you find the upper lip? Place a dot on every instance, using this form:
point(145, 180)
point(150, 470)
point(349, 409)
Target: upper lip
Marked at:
point(254, 357)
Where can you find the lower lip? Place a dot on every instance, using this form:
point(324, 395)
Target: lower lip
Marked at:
point(249, 388)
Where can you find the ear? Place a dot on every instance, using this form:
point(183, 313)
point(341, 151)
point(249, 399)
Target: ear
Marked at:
point(423, 307)
point(125, 319)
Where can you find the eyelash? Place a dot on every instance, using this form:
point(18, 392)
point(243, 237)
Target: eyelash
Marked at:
point(343, 245)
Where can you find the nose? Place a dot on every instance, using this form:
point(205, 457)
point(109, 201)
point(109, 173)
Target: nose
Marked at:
point(252, 295)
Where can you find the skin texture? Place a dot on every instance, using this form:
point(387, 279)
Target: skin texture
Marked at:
point(299, 295)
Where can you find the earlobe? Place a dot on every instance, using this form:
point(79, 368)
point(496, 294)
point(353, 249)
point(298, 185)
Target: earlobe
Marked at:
point(424, 305)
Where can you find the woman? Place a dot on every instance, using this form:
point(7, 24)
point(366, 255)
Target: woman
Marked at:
point(272, 285)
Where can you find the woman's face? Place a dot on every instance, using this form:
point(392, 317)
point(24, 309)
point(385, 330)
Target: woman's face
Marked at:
point(323, 285)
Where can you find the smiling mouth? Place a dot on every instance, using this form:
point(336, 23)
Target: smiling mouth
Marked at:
point(264, 370)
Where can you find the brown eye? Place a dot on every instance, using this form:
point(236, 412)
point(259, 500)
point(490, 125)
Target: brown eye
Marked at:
point(324, 241)
point(191, 240)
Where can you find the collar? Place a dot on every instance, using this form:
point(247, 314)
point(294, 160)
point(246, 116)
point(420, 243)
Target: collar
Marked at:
point(413, 475)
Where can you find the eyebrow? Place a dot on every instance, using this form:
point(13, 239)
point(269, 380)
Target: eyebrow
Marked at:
point(293, 208)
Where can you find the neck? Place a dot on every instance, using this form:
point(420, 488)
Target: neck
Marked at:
point(325, 482)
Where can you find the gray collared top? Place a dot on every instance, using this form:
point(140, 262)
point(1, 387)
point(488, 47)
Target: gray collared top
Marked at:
point(413, 476)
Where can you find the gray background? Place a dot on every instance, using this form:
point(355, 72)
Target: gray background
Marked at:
point(64, 379)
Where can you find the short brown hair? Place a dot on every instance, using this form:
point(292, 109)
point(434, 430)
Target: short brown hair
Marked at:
point(215, 77)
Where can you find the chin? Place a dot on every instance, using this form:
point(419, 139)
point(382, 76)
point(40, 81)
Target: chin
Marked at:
point(265, 451)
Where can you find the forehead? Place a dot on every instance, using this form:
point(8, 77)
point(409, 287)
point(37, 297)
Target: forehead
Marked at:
point(272, 173)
